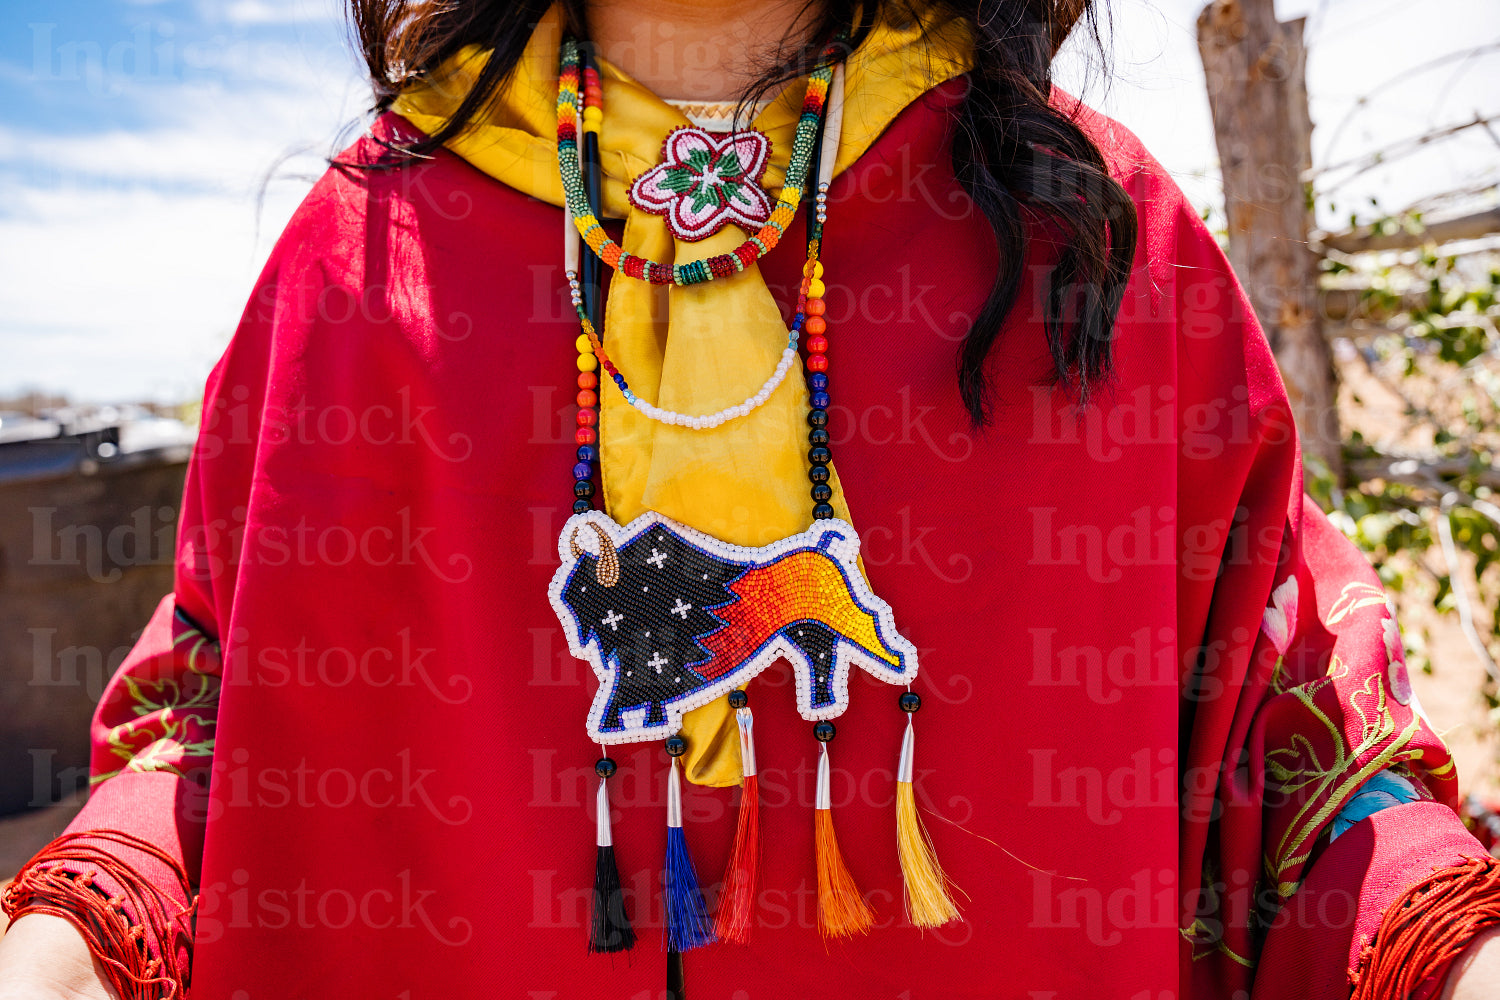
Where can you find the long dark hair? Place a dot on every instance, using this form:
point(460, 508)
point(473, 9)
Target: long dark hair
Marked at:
point(1014, 152)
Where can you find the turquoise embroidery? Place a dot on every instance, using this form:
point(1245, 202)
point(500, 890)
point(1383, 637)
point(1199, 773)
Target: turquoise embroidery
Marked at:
point(1381, 792)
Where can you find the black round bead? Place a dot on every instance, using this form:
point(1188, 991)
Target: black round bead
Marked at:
point(738, 699)
point(818, 435)
point(818, 473)
point(910, 701)
point(822, 492)
point(819, 455)
point(583, 489)
point(817, 418)
point(822, 511)
point(582, 506)
point(676, 746)
point(604, 767)
point(824, 731)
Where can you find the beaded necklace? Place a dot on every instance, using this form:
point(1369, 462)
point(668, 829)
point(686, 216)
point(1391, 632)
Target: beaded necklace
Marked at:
point(697, 271)
point(713, 615)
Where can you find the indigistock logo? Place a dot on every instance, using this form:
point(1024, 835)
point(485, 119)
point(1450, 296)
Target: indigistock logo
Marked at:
point(73, 665)
point(1146, 903)
point(1105, 676)
point(1148, 537)
point(905, 543)
point(237, 418)
point(146, 539)
point(638, 785)
point(210, 548)
point(397, 662)
point(245, 903)
point(1148, 781)
point(396, 784)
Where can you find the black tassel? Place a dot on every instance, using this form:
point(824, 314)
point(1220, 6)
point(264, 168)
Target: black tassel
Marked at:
point(609, 926)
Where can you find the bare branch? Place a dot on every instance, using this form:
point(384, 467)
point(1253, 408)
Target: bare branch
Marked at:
point(1467, 227)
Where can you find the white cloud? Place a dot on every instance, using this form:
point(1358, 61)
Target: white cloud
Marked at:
point(130, 252)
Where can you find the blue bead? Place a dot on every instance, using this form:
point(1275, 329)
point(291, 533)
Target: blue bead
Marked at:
point(587, 453)
point(619, 380)
point(818, 381)
point(820, 400)
point(582, 470)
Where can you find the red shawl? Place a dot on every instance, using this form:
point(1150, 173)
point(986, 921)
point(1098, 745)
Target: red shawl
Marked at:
point(1118, 767)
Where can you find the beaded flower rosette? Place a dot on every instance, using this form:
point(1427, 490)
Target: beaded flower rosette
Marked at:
point(671, 619)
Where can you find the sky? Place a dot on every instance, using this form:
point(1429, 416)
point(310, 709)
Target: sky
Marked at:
point(152, 150)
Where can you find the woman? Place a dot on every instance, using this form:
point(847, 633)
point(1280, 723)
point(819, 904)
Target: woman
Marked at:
point(1166, 735)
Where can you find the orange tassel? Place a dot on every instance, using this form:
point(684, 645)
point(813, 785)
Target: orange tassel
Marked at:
point(842, 911)
point(737, 904)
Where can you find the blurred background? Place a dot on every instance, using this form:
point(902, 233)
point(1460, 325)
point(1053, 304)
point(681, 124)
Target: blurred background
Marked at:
point(152, 150)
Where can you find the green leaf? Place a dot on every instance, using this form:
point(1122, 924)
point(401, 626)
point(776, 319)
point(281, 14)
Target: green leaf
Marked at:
point(679, 180)
point(729, 165)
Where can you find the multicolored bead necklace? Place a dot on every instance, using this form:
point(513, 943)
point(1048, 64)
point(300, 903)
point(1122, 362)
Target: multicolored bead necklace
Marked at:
point(814, 575)
point(697, 271)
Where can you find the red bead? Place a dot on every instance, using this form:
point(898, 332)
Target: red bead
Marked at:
point(817, 363)
point(587, 380)
point(816, 307)
point(587, 417)
point(587, 397)
point(817, 345)
point(586, 435)
point(815, 324)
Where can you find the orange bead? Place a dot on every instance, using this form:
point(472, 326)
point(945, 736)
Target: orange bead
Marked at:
point(816, 307)
point(587, 397)
point(587, 380)
point(815, 324)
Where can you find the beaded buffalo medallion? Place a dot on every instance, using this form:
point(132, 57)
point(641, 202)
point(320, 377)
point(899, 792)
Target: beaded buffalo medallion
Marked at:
point(671, 618)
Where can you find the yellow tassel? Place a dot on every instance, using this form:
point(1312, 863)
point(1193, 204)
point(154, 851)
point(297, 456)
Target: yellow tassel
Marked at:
point(929, 900)
point(842, 911)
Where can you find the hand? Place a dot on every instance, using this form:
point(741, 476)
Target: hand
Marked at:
point(45, 958)
point(1476, 973)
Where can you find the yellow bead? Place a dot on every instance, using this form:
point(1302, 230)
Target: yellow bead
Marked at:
point(593, 116)
point(583, 345)
point(587, 362)
point(817, 269)
point(816, 289)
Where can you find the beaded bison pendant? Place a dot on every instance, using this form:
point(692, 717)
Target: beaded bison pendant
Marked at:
point(671, 618)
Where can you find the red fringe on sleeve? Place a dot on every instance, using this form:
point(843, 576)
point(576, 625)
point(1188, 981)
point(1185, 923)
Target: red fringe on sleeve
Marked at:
point(1426, 928)
point(139, 933)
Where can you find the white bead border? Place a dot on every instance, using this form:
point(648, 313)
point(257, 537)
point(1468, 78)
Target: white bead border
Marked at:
point(834, 537)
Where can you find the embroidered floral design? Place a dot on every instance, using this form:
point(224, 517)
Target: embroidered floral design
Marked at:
point(706, 181)
point(1396, 671)
point(1382, 791)
point(1279, 621)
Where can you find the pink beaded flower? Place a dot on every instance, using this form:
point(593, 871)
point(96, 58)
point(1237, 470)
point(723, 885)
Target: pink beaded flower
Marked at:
point(705, 181)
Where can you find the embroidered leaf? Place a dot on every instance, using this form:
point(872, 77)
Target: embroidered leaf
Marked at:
point(699, 159)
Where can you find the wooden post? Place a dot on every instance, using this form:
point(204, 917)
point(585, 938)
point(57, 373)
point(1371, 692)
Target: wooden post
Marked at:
point(1257, 94)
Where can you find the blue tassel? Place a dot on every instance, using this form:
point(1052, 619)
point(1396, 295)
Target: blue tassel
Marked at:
point(688, 925)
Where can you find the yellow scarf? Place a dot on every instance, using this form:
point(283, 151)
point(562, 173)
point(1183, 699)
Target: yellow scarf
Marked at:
point(694, 349)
